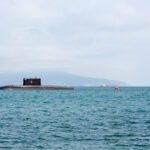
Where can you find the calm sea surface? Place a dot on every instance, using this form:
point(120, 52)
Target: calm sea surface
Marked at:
point(80, 119)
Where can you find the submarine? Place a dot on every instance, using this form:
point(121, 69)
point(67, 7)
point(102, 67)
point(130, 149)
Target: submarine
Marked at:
point(34, 84)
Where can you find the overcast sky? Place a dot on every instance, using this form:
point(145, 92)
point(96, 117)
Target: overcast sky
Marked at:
point(95, 38)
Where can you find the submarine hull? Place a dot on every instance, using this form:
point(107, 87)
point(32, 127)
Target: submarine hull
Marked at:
point(13, 87)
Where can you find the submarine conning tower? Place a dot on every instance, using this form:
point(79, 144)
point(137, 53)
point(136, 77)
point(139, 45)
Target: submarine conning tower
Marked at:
point(31, 82)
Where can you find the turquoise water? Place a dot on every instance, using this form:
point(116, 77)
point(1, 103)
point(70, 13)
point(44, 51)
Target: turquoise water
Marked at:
point(84, 118)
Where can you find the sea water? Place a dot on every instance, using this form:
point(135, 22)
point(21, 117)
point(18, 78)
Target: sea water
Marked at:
point(91, 118)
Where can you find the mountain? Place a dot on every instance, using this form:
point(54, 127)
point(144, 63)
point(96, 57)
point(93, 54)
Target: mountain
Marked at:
point(55, 78)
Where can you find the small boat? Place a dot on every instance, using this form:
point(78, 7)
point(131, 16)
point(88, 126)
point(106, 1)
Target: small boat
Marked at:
point(117, 88)
point(103, 85)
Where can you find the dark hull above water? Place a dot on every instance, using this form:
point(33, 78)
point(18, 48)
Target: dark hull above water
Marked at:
point(15, 87)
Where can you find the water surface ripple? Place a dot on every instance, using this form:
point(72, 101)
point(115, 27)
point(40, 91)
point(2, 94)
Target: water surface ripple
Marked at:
point(84, 118)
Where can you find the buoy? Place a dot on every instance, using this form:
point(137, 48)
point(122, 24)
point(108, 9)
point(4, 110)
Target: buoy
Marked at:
point(117, 88)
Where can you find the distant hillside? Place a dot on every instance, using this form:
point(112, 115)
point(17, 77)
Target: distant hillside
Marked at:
point(56, 78)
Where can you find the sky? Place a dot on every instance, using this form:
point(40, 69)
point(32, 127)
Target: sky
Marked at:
point(94, 38)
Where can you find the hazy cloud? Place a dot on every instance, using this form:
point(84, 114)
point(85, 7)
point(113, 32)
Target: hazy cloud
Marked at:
point(105, 39)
